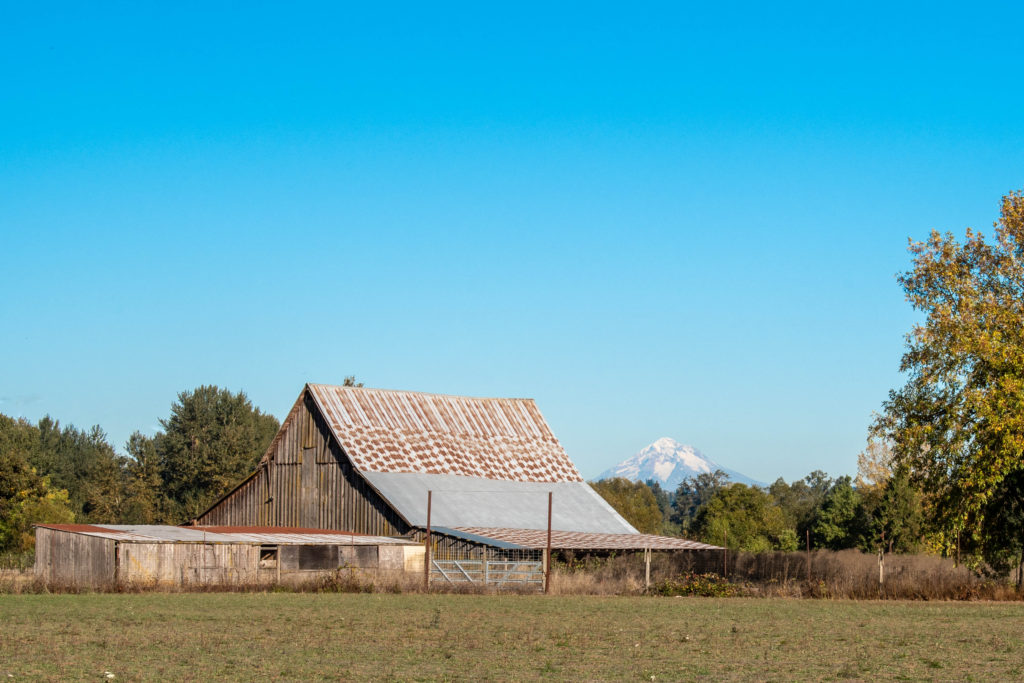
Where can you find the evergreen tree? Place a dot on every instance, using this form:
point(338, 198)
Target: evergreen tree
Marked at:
point(212, 440)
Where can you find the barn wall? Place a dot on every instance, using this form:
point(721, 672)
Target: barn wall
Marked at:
point(307, 482)
point(74, 559)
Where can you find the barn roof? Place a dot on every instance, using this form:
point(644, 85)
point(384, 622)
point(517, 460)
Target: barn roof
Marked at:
point(488, 463)
point(472, 501)
point(404, 431)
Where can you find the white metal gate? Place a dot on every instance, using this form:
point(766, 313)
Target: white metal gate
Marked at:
point(489, 572)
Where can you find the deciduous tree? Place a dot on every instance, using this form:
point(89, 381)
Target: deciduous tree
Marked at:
point(634, 501)
point(957, 424)
point(744, 518)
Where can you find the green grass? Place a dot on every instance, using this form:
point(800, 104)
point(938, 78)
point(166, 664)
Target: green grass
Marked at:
point(244, 636)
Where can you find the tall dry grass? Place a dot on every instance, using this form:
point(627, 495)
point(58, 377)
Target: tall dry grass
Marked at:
point(848, 574)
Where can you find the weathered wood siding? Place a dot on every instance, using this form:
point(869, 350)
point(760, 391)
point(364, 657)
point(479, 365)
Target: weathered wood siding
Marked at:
point(74, 559)
point(307, 482)
point(183, 564)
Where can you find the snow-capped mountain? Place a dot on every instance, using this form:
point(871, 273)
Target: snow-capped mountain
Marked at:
point(669, 462)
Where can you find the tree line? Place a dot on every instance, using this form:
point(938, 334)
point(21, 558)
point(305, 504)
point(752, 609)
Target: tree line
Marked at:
point(49, 473)
point(824, 512)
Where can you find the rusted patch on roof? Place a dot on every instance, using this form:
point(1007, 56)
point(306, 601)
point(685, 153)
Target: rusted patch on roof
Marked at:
point(403, 431)
point(269, 530)
point(581, 540)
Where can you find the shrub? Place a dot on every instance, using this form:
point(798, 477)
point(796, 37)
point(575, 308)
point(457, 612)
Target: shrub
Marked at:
point(705, 585)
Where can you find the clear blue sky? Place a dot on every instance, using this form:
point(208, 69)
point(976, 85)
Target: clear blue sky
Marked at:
point(674, 220)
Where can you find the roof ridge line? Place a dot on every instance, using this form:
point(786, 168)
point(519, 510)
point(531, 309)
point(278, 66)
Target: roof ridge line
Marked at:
point(423, 393)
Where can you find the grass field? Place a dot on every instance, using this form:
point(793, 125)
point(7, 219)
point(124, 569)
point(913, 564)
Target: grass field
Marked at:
point(239, 636)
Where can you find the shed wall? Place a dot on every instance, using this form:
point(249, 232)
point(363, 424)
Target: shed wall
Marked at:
point(307, 482)
point(183, 564)
point(74, 559)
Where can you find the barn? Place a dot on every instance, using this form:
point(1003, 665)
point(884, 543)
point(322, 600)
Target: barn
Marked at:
point(486, 476)
point(102, 556)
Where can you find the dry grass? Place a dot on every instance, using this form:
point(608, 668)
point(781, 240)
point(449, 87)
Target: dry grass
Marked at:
point(847, 574)
point(316, 636)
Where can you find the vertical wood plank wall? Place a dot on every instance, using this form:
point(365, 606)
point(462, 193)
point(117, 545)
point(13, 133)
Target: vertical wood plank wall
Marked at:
point(74, 559)
point(308, 482)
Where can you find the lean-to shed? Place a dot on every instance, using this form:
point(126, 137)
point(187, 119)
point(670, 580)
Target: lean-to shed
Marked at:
point(155, 555)
point(359, 459)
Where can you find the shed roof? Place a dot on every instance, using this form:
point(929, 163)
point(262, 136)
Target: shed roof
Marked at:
point(404, 431)
point(578, 540)
point(158, 533)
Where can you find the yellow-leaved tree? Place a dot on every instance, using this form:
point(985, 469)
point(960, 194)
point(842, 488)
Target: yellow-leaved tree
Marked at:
point(957, 425)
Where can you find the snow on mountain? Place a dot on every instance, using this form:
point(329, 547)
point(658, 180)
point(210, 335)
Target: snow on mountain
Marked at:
point(669, 462)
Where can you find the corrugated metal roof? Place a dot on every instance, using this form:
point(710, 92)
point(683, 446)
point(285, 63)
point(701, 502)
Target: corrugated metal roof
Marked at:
point(156, 533)
point(270, 530)
point(403, 431)
point(576, 540)
point(471, 501)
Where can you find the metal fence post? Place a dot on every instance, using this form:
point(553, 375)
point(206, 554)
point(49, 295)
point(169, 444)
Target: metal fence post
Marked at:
point(426, 554)
point(547, 552)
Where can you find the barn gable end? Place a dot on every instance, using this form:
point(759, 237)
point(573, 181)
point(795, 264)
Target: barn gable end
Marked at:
point(305, 480)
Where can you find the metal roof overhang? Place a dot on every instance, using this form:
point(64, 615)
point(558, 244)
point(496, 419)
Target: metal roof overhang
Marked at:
point(576, 540)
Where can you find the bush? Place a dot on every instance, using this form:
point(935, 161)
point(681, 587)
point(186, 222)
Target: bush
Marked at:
point(705, 585)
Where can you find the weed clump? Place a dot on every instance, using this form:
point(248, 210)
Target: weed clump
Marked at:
point(703, 585)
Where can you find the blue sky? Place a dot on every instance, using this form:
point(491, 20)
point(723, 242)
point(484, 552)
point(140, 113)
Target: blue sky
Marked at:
point(678, 220)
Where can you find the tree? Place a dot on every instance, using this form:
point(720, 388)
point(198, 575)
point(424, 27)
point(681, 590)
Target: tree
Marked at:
point(665, 500)
point(212, 440)
point(801, 501)
point(744, 518)
point(147, 502)
point(957, 424)
point(26, 498)
point(634, 501)
point(841, 521)
point(350, 381)
point(83, 463)
point(694, 492)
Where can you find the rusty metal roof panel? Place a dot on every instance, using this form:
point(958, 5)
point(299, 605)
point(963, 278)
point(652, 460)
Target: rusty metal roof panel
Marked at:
point(313, 539)
point(458, 501)
point(575, 540)
point(404, 431)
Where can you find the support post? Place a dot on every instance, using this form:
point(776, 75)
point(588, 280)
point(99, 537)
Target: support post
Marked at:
point(547, 552)
point(725, 555)
point(808, 555)
point(881, 567)
point(426, 554)
point(647, 569)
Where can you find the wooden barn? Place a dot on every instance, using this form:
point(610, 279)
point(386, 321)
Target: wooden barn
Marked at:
point(86, 555)
point(486, 474)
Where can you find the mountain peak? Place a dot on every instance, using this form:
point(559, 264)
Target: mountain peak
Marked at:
point(669, 462)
